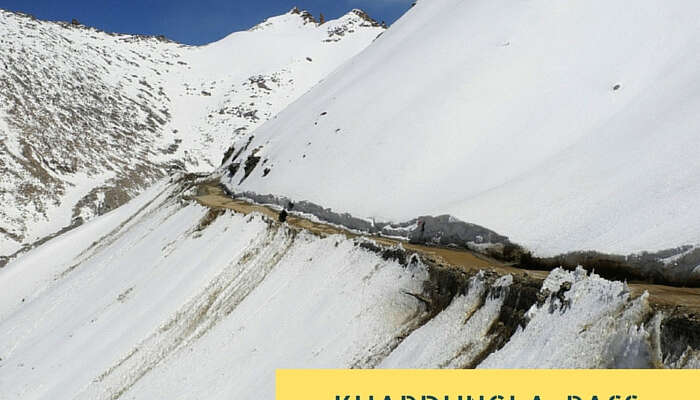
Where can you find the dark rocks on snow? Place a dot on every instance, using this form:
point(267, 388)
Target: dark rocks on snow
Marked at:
point(171, 149)
point(368, 20)
point(75, 22)
point(389, 254)
point(305, 15)
point(228, 154)
point(259, 80)
point(250, 163)
point(518, 299)
point(251, 115)
point(233, 168)
point(560, 294)
point(231, 149)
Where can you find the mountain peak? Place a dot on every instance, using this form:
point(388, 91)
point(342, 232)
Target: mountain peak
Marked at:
point(366, 17)
point(294, 17)
point(305, 15)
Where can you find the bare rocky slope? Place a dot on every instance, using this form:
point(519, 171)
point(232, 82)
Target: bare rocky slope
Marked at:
point(88, 119)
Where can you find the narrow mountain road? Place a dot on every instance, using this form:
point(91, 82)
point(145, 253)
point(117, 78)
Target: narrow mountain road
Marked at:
point(210, 195)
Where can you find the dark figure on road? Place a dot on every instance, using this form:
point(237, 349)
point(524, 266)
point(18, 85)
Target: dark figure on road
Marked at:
point(283, 215)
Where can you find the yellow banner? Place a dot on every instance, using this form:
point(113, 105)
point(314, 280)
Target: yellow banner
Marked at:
point(488, 384)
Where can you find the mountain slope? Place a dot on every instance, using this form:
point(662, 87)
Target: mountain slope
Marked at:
point(562, 126)
point(165, 298)
point(88, 119)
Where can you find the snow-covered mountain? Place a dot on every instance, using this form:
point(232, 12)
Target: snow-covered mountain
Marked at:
point(564, 126)
point(88, 119)
point(165, 298)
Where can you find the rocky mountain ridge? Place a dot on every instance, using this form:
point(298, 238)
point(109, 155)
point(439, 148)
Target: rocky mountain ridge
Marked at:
point(88, 118)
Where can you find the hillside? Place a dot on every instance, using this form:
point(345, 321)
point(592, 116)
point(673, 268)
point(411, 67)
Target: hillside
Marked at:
point(561, 126)
point(88, 119)
point(417, 170)
point(165, 298)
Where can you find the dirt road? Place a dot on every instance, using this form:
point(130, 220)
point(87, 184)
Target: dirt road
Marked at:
point(211, 195)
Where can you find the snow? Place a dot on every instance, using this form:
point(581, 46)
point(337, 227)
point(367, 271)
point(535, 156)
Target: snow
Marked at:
point(159, 299)
point(299, 316)
point(596, 325)
point(65, 144)
point(500, 113)
point(39, 267)
point(455, 337)
point(276, 50)
point(504, 114)
point(155, 293)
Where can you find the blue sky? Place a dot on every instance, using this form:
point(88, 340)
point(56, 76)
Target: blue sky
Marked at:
point(192, 21)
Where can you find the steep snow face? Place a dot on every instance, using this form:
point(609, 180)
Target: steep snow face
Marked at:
point(88, 119)
point(563, 126)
